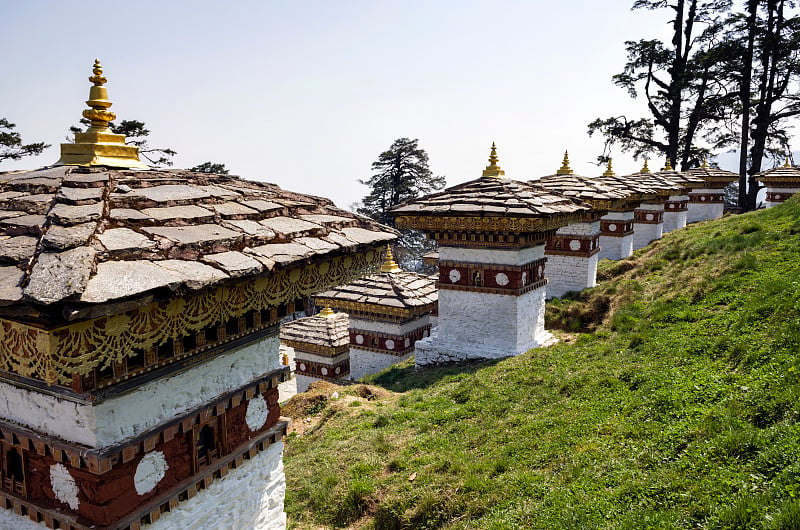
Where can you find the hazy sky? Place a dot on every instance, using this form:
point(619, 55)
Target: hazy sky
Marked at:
point(308, 94)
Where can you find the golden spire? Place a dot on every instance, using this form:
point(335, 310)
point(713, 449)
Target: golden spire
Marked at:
point(645, 169)
point(98, 146)
point(493, 170)
point(327, 312)
point(704, 165)
point(609, 172)
point(389, 264)
point(668, 167)
point(787, 164)
point(565, 169)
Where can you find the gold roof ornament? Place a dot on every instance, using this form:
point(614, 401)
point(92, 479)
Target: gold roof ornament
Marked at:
point(327, 312)
point(645, 169)
point(565, 169)
point(493, 170)
point(609, 172)
point(787, 164)
point(98, 146)
point(668, 166)
point(704, 165)
point(389, 264)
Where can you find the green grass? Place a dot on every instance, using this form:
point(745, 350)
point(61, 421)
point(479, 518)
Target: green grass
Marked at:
point(679, 411)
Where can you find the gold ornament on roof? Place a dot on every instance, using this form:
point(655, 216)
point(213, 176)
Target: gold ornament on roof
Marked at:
point(704, 165)
point(645, 169)
point(99, 146)
point(565, 169)
point(609, 172)
point(668, 166)
point(787, 164)
point(327, 312)
point(493, 170)
point(389, 264)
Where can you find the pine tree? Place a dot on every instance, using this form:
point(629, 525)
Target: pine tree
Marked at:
point(11, 146)
point(210, 167)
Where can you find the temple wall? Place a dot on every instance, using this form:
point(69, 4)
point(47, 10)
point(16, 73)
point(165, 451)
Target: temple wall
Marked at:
point(364, 362)
point(247, 498)
point(474, 325)
point(149, 405)
point(570, 273)
point(646, 233)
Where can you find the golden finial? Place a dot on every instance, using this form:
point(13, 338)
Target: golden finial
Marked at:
point(704, 165)
point(493, 170)
point(609, 172)
point(787, 164)
point(645, 169)
point(98, 146)
point(389, 264)
point(668, 167)
point(565, 169)
point(327, 312)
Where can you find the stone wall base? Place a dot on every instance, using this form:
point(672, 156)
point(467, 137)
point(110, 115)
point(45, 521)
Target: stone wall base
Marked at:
point(570, 273)
point(645, 233)
point(699, 212)
point(616, 247)
point(367, 362)
point(674, 220)
point(434, 350)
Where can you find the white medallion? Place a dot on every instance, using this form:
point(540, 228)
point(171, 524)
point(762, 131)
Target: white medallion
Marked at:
point(501, 279)
point(389, 344)
point(454, 275)
point(649, 217)
point(359, 339)
point(324, 371)
point(257, 412)
point(612, 227)
point(64, 486)
point(524, 277)
point(303, 367)
point(575, 245)
point(407, 342)
point(151, 469)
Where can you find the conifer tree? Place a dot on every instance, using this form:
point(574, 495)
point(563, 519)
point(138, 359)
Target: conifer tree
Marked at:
point(11, 146)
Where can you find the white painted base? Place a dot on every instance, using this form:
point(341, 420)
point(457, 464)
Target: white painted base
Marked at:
point(364, 362)
point(146, 407)
point(674, 221)
point(302, 382)
point(616, 247)
point(699, 212)
point(434, 320)
point(247, 498)
point(484, 326)
point(644, 234)
point(570, 273)
point(11, 521)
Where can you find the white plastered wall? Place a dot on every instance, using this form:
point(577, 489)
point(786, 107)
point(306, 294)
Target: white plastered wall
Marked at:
point(645, 233)
point(570, 273)
point(616, 247)
point(146, 407)
point(363, 362)
point(699, 211)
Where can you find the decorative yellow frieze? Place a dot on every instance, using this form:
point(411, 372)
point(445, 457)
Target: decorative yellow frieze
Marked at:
point(55, 355)
point(487, 224)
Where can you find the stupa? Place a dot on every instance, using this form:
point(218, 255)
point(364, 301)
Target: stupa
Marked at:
point(321, 346)
point(139, 314)
point(781, 183)
point(491, 233)
point(389, 312)
point(707, 202)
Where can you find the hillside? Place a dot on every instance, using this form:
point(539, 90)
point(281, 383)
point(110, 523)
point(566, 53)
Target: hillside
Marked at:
point(680, 409)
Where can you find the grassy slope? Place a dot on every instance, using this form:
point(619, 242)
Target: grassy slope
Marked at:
point(680, 411)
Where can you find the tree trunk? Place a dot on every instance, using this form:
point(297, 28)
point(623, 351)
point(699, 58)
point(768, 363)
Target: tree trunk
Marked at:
point(744, 97)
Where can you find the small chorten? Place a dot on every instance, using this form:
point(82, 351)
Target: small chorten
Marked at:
point(704, 165)
point(493, 170)
point(98, 146)
point(389, 265)
point(327, 312)
point(645, 168)
point(609, 172)
point(565, 169)
point(668, 166)
point(787, 164)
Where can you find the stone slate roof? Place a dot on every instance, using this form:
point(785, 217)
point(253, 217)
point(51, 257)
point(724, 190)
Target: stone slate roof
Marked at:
point(92, 235)
point(712, 174)
point(492, 197)
point(780, 174)
point(331, 332)
point(397, 290)
point(582, 188)
point(659, 182)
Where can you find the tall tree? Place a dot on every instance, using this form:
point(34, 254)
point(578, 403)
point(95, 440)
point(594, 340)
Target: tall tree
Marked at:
point(11, 146)
point(210, 167)
point(400, 174)
point(135, 134)
point(679, 81)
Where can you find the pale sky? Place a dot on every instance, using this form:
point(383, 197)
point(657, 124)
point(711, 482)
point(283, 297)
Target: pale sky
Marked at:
point(307, 94)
